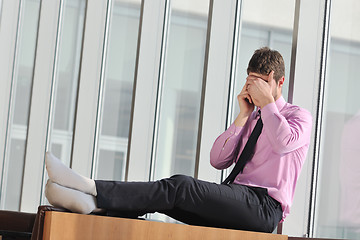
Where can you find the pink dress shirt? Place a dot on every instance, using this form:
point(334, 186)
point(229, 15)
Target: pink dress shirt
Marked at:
point(279, 153)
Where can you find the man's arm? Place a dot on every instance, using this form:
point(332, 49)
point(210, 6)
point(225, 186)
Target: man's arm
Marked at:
point(285, 134)
point(223, 152)
point(288, 133)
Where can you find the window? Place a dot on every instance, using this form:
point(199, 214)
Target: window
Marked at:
point(118, 90)
point(181, 91)
point(125, 89)
point(20, 105)
point(66, 78)
point(337, 212)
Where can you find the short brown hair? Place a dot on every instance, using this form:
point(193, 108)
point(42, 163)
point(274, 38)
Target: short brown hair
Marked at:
point(265, 60)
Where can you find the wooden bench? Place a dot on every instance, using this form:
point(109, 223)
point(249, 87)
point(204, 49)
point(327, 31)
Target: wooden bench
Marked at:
point(62, 225)
point(56, 223)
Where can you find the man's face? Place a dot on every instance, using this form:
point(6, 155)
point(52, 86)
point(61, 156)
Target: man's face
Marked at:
point(275, 86)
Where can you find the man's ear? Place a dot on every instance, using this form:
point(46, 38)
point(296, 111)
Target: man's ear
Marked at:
point(281, 81)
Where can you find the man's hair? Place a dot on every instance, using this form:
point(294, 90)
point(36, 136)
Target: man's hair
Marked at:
point(265, 60)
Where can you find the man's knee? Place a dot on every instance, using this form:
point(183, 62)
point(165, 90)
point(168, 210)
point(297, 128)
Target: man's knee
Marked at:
point(182, 180)
point(185, 190)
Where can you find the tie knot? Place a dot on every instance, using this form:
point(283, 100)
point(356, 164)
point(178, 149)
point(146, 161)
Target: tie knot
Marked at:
point(258, 114)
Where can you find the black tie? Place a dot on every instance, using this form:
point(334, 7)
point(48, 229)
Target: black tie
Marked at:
point(246, 154)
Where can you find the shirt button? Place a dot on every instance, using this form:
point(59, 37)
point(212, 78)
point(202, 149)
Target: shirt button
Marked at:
point(231, 132)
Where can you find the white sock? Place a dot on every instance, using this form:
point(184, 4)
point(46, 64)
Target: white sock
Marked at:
point(62, 175)
point(73, 200)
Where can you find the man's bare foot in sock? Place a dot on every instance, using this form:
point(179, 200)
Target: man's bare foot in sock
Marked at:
point(64, 176)
point(73, 200)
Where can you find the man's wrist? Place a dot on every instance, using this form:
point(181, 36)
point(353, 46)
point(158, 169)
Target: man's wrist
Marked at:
point(241, 119)
point(267, 101)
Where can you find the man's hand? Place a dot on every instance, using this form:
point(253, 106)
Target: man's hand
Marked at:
point(261, 90)
point(246, 107)
point(245, 102)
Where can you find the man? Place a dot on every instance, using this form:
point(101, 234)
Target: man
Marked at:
point(256, 200)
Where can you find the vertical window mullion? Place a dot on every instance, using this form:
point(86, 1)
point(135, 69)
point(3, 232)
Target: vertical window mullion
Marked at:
point(164, 44)
point(40, 105)
point(89, 87)
point(293, 52)
point(54, 82)
point(220, 60)
point(319, 116)
point(101, 88)
point(234, 61)
point(8, 82)
point(146, 82)
point(203, 91)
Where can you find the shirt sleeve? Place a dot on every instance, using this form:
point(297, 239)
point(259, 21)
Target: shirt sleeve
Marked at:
point(286, 133)
point(223, 150)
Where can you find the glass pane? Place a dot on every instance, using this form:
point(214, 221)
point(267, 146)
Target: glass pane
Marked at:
point(15, 172)
point(338, 199)
point(23, 72)
point(271, 26)
point(118, 89)
point(112, 166)
point(66, 78)
point(182, 85)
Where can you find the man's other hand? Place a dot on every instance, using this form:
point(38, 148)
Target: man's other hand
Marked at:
point(261, 88)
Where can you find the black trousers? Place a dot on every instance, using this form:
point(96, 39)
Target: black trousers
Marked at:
point(194, 202)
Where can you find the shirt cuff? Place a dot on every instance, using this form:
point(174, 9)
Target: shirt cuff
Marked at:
point(268, 111)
